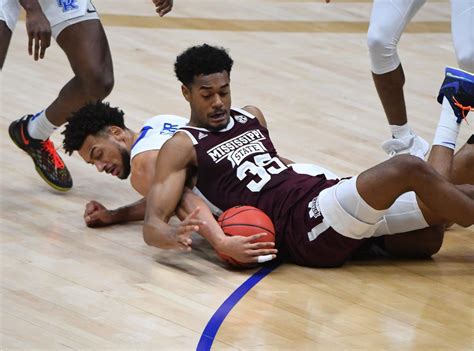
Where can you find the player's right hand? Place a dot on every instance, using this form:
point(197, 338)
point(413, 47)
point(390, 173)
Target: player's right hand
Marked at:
point(184, 230)
point(97, 215)
point(163, 6)
point(39, 33)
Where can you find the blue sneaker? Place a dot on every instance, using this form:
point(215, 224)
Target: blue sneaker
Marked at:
point(458, 88)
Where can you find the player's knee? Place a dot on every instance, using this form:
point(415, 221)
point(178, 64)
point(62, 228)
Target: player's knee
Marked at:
point(410, 166)
point(383, 51)
point(98, 85)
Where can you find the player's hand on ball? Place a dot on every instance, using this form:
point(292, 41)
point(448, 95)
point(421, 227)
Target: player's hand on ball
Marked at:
point(97, 215)
point(246, 249)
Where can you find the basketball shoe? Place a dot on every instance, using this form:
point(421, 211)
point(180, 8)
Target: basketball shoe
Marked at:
point(458, 89)
point(47, 161)
point(411, 144)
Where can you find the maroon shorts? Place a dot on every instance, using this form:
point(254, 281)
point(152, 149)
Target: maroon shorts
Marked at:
point(328, 249)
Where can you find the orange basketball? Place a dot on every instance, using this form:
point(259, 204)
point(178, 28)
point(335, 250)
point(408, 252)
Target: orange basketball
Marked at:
point(245, 221)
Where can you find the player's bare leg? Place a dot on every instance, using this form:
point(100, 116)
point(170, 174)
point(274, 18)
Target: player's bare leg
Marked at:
point(87, 49)
point(390, 90)
point(5, 36)
point(387, 23)
point(463, 166)
point(382, 184)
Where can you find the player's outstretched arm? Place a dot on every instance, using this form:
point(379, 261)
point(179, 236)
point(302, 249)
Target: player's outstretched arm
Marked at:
point(175, 158)
point(97, 215)
point(37, 27)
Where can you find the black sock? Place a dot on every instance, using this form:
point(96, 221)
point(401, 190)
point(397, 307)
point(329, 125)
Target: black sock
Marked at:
point(471, 139)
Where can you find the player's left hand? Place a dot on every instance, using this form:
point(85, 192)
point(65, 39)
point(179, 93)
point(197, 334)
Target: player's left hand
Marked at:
point(245, 250)
point(163, 6)
point(39, 33)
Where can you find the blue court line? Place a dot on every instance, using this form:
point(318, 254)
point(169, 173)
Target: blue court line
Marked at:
point(212, 327)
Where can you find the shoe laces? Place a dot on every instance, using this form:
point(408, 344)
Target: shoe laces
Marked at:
point(463, 109)
point(48, 146)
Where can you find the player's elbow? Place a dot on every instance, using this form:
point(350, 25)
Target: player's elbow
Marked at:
point(146, 236)
point(149, 236)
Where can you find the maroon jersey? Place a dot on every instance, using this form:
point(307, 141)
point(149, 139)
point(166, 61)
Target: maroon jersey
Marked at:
point(240, 166)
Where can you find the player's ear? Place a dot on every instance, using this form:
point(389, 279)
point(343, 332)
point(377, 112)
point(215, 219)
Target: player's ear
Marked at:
point(117, 133)
point(186, 92)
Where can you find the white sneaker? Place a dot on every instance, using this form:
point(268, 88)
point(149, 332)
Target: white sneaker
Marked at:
point(412, 144)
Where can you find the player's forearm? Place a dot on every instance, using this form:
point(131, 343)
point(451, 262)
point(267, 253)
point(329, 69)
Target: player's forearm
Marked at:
point(211, 231)
point(156, 230)
point(131, 212)
point(30, 5)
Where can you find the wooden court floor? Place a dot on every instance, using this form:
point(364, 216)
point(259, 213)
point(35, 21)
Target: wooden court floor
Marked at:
point(305, 64)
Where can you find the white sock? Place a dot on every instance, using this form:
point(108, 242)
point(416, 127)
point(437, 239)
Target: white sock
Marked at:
point(448, 129)
point(39, 127)
point(399, 132)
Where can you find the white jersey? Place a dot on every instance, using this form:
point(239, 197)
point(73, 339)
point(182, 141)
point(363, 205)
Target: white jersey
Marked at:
point(155, 132)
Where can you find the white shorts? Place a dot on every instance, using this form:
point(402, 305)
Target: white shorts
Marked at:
point(9, 12)
point(59, 16)
point(404, 215)
point(313, 170)
point(389, 19)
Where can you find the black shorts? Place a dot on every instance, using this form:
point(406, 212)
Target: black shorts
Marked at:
point(326, 249)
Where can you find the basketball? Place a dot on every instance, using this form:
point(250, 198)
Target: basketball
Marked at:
point(245, 221)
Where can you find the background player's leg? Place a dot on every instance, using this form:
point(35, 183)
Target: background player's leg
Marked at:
point(387, 23)
point(87, 49)
point(5, 36)
point(463, 165)
point(441, 159)
point(390, 90)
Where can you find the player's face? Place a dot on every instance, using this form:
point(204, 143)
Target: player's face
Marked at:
point(106, 154)
point(209, 97)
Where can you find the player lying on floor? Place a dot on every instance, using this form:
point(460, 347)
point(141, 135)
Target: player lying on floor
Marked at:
point(98, 132)
point(228, 155)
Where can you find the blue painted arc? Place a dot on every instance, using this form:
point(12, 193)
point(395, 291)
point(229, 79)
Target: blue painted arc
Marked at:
point(212, 327)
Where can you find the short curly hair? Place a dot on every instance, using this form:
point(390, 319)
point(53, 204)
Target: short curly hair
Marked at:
point(91, 119)
point(201, 59)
